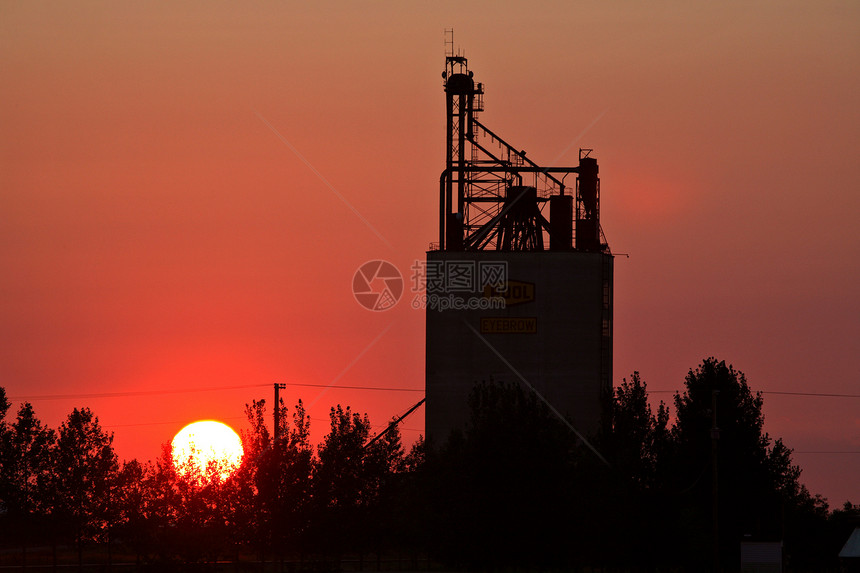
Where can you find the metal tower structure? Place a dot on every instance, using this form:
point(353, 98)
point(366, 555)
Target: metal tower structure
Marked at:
point(493, 197)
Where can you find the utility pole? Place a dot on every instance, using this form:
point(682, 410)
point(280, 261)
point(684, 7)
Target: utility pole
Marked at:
point(276, 433)
point(276, 446)
point(715, 438)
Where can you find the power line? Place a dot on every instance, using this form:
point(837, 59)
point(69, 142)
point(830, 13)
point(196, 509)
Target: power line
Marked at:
point(811, 394)
point(35, 397)
point(779, 393)
point(827, 452)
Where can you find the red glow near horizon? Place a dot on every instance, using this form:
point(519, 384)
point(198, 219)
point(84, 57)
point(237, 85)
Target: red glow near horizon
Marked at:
point(155, 234)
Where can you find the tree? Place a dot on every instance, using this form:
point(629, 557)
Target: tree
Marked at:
point(417, 456)
point(279, 475)
point(5, 449)
point(4, 407)
point(295, 485)
point(131, 499)
point(633, 489)
point(85, 470)
point(638, 438)
point(756, 480)
point(186, 518)
point(25, 469)
point(25, 473)
point(349, 480)
point(338, 475)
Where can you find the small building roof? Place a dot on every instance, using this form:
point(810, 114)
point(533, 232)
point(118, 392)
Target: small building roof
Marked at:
point(852, 546)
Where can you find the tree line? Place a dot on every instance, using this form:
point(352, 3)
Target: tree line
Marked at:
point(515, 488)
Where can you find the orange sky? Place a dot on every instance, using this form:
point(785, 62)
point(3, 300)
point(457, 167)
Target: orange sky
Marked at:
point(156, 234)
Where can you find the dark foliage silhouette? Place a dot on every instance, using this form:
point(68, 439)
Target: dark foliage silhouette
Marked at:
point(493, 490)
point(350, 481)
point(515, 489)
point(279, 477)
point(758, 486)
point(26, 470)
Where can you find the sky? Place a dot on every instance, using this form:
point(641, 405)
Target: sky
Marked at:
point(187, 189)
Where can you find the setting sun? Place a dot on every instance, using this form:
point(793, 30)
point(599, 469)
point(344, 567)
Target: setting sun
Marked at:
point(207, 449)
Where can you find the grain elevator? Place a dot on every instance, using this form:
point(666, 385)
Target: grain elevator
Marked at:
point(520, 283)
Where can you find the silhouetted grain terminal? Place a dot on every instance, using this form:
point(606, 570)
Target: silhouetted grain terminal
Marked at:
point(517, 291)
